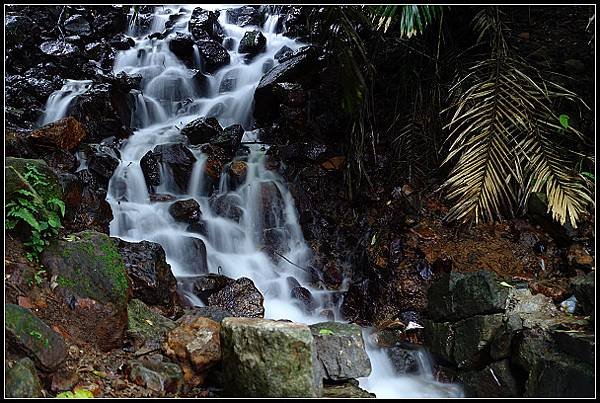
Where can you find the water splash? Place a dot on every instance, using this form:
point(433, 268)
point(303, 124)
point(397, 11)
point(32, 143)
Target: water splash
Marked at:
point(59, 102)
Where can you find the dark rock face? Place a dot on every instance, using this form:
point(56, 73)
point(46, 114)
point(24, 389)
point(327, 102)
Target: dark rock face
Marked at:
point(102, 160)
point(282, 54)
point(264, 98)
point(460, 295)
point(494, 380)
point(179, 159)
point(227, 206)
point(252, 43)
point(121, 42)
point(186, 211)
point(243, 16)
point(583, 288)
point(87, 207)
point(210, 284)
point(204, 25)
point(213, 55)
point(151, 278)
point(103, 111)
point(182, 45)
point(151, 169)
point(241, 298)
point(202, 130)
point(341, 350)
point(195, 255)
point(78, 25)
point(27, 333)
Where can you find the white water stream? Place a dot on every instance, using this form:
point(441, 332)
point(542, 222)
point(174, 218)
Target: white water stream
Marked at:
point(168, 101)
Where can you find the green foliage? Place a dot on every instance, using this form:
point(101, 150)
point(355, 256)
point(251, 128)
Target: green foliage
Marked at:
point(326, 332)
point(41, 218)
point(78, 393)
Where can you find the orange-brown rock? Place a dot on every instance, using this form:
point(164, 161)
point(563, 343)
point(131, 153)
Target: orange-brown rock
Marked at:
point(65, 133)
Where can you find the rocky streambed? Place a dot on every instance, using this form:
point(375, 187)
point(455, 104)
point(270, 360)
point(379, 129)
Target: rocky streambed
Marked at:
point(505, 309)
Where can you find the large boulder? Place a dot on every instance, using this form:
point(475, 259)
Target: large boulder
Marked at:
point(102, 160)
point(92, 278)
point(27, 333)
point(495, 380)
point(267, 358)
point(473, 338)
point(196, 344)
point(341, 350)
point(209, 284)
point(22, 380)
point(152, 280)
point(151, 169)
point(584, 290)
point(241, 298)
point(457, 295)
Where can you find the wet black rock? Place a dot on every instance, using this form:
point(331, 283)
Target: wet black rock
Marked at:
point(227, 206)
point(78, 25)
point(301, 63)
point(204, 25)
point(229, 81)
point(102, 160)
point(282, 54)
point(151, 169)
point(198, 227)
point(104, 112)
point(213, 55)
point(150, 274)
point(243, 16)
point(253, 43)
point(187, 211)
point(210, 284)
point(241, 298)
point(179, 159)
point(122, 42)
point(202, 130)
point(182, 45)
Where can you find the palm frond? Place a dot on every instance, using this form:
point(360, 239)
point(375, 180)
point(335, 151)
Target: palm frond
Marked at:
point(413, 19)
point(508, 143)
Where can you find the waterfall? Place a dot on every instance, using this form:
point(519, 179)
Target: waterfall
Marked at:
point(234, 247)
point(59, 102)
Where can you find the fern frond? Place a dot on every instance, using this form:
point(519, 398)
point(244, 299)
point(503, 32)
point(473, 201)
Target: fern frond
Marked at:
point(413, 19)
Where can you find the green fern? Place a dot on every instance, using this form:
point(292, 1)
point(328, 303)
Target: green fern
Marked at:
point(42, 219)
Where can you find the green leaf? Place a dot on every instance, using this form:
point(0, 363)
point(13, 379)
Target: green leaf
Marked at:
point(26, 216)
point(589, 175)
point(53, 220)
point(59, 203)
point(35, 334)
point(83, 394)
point(564, 121)
point(326, 332)
point(68, 394)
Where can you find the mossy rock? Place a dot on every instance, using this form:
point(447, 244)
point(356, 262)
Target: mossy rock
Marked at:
point(15, 170)
point(88, 265)
point(29, 334)
point(145, 325)
point(22, 380)
point(268, 358)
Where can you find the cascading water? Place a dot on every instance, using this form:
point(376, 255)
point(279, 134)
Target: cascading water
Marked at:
point(235, 248)
point(60, 101)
